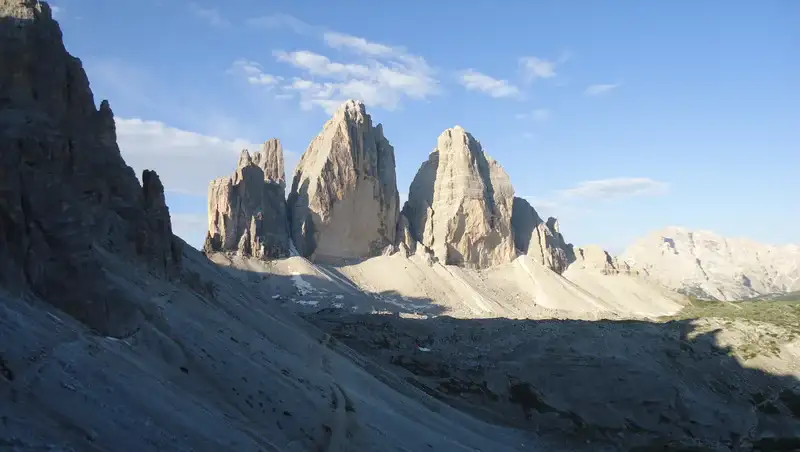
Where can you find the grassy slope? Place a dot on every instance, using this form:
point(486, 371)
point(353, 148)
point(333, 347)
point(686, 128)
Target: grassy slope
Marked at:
point(773, 322)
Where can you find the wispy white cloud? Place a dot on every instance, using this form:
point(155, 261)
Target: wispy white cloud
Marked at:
point(596, 90)
point(282, 21)
point(316, 64)
point(534, 68)
point(56, 10)
point(186, 161)
point(620, 187)
point(360, 45)
point(212, 16)
point(476, 81)
point(539, 114)
point(577, 200)
point(254, 73)
point(378, 74)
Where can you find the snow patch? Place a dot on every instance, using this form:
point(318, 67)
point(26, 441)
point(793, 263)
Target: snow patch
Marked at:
point(306, 302)
point(302, 286)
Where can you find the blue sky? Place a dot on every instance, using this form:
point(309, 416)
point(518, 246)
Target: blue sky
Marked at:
point(618, 117)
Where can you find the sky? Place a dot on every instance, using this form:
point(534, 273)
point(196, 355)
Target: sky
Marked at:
point(619, 117)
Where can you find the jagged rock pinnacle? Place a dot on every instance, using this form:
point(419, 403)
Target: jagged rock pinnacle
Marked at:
point(344, 199)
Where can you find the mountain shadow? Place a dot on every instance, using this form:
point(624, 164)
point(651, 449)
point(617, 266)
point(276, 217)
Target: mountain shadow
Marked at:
point(635, 385)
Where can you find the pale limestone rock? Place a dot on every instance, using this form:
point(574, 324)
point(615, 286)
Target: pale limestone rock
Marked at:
point(247, 211)
point(271, 161)
point(593, 257)
point(538, 239)
point(707, 265)
point(405, 239)
point(344, 201)
point(460, 204)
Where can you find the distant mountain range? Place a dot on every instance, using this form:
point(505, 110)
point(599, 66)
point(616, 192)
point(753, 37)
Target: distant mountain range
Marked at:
point(707, 265)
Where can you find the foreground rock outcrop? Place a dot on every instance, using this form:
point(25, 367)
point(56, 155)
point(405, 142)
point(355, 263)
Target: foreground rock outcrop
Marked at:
point(538, 239)
point(66, 195)
point(707, 265)
point(460, 204)
point(344, 201)
point(247, 211)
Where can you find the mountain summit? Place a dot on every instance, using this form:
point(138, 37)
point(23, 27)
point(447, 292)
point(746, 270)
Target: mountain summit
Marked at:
point(344, 201)
point(707, 265)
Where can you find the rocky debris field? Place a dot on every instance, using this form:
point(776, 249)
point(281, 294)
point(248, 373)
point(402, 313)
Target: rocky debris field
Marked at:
point(630, 383)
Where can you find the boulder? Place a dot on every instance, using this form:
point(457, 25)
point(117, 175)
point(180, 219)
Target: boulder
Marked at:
point(67, 198)
point(344, 201)
point(247, 211)
point(460, 204)
point(540, 240)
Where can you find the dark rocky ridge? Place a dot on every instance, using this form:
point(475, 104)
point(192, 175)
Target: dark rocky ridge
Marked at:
point(66, 195)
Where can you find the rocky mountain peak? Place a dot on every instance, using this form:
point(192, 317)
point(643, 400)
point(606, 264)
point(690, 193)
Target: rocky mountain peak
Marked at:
point(353, 109)
point(65, 192)
point(245, 159)
point(460, 204)
point(247, 210)
point(708, 265)
point(344, 199)
point(25, 11)
point(271, 161)
point(538, 239)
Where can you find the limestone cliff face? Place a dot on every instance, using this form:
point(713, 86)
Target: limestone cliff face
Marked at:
point(66, 195)
point(707, 265)
point(593, 257)
point(538, 239)
point(247, 211)
point(460, 204)
point(344, 199)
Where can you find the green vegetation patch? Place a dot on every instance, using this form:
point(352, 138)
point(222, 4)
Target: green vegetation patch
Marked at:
point(772, 322)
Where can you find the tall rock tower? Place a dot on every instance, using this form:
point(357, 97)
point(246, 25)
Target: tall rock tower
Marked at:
point(247, 211)
point(344, 199)
point(460, 204)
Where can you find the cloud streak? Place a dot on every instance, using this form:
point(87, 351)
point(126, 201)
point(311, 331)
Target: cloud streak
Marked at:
point(476, 81)
point(282, 21)
point(535, 68)
point(211, 16)
point(596, 90)
point(572, 201)
point(538, 115)
point(254, 73)
point(621, 187)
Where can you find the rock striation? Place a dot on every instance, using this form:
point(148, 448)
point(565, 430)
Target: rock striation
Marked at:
point(344, 201)
point(460, 204)
point(707, 265)
point(247, 211)
point(538, 239)
point(67, 198)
